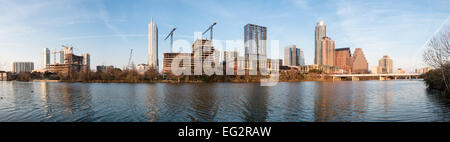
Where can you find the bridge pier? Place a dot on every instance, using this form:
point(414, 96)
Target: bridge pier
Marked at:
point(382, 78)
point(355, 78)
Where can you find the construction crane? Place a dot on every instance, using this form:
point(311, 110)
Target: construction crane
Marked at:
point(171, 38)
point(210, 29)
point(129, 60)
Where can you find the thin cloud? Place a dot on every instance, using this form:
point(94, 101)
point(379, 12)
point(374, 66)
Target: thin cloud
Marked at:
point(104, 16)
point(382, 28)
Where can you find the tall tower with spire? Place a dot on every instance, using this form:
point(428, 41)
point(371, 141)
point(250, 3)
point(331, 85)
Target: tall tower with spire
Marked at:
point(153, 61)
point(320, 33)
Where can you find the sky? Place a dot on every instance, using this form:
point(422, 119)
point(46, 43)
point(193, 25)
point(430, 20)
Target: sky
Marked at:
point(109, 29)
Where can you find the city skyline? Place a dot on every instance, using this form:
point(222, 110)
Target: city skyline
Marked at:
point(108, 30)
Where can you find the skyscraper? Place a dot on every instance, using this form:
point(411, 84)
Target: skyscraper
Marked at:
point(301, 57)
point(386, 65)
point(359, 62)
point(289, 56)
point(45, 58)
point(255, 37)
point(293, 56)
point(153, 61)
point(327, 52)
point(320, 32)
point(343, 59)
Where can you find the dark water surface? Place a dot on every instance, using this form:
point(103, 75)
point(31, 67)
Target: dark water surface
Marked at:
point(235, 102)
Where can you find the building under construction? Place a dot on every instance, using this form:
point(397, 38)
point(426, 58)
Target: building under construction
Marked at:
point(68, 61)
point(202, 50)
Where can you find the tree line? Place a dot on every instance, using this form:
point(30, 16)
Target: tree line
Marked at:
point(437, 55)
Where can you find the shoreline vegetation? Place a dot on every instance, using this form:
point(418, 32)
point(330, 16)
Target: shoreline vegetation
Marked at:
point(152, 76)
point(437, 55)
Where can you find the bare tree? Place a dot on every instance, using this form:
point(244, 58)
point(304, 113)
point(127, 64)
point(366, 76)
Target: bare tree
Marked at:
point(2, 65)
point(437, 54)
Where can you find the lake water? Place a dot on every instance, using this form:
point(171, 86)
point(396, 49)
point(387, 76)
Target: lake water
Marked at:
point(400, 100)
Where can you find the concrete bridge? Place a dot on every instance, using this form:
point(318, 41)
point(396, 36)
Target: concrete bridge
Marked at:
point(356, 77)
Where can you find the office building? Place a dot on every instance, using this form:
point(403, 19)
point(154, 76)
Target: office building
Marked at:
point(359, 62)
point(343, 59)
point(255, 40)
point(153, 61)
point(386, 64)
point(18, 67)
point(293, 56)
point(45, 58)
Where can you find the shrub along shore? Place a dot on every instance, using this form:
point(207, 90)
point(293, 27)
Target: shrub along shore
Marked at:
point(152, 76)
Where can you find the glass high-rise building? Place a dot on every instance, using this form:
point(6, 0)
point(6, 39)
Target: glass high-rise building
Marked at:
point(255, 38)
point(293, 56)
point(153, 61)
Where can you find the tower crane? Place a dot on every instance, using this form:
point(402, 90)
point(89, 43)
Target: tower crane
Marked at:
point(210, 29)
point(171, 38)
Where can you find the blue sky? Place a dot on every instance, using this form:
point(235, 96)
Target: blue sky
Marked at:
point(108, 29)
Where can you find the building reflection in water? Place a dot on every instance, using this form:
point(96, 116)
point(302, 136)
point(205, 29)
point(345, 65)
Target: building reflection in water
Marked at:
point(176, 103)
point(386, 97)
point(334, 101)
point(256, 107)
point(296, 98)
point(151, 105)
point(68, 100)
point(204, 102)
point(46, 106)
